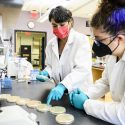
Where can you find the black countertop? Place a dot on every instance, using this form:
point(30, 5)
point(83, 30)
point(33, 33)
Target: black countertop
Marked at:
point(39, 91)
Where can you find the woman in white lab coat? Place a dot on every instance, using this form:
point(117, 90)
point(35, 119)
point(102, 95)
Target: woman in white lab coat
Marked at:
point(108, 25)
point(68, 56)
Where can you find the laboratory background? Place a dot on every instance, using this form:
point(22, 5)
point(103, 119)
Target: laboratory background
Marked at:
point(25, 32)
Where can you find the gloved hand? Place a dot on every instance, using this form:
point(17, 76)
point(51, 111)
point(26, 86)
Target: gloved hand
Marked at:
point(43, 76)
point(78, 98)
point(56, 93)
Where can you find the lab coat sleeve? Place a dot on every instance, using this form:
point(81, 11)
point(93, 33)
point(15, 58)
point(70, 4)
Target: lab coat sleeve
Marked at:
point(100, 87)
point(81, 73)
point(48, 60)
point(113, 112)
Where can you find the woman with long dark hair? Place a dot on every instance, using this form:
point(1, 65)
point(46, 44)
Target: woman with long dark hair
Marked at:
point(108, 25)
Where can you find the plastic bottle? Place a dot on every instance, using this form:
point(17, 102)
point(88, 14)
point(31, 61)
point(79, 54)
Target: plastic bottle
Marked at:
point(6, 83)
point(20, 71)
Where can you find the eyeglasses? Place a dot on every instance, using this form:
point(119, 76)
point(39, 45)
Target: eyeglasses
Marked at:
point(101, 41)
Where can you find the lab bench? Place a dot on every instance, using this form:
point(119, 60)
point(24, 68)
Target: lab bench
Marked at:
point(39, 91)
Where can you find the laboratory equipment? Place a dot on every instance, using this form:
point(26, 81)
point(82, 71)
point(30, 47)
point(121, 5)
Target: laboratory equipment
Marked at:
point(19, 67)
point(33, 74)
point(15, 115)
point(6, 83)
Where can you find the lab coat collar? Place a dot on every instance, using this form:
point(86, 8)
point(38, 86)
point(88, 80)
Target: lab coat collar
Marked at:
point(71, 35)
point(55, 47)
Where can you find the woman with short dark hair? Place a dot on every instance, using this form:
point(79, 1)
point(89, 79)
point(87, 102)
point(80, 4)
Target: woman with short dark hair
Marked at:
point(68, 56)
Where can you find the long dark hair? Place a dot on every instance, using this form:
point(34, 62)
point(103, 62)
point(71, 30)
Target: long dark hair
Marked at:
point(118, 3)
point(110, 16)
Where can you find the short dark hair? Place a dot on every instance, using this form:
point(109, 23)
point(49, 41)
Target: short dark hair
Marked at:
point(60, 14)
point(110, 16)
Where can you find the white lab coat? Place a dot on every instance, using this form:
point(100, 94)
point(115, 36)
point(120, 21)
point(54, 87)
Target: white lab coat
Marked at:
point(73, 69)
point(113, 80)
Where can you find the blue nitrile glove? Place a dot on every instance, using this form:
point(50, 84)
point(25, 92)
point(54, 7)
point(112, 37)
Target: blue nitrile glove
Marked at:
point(56, 93)
point(71, 95)
point(78, 98)
point(43, 76)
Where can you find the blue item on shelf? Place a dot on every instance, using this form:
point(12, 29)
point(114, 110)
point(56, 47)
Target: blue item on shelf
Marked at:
point(6, 83)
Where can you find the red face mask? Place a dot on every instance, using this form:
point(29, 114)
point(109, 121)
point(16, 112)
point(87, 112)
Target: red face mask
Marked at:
point(61, 32)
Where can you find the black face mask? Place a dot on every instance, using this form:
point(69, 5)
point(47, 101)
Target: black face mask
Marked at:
point(101, 49)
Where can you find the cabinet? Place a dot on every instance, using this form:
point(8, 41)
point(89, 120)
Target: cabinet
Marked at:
point(97, 73)
point(26, 52)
